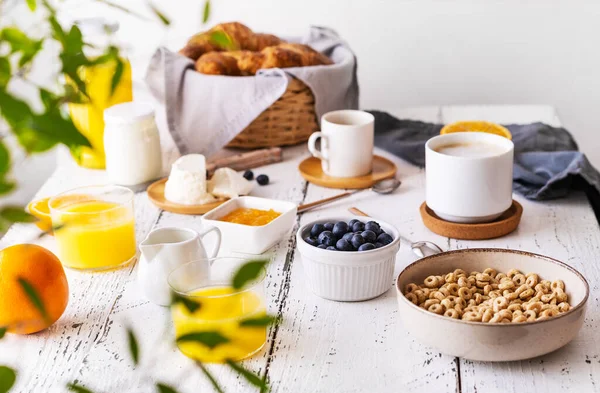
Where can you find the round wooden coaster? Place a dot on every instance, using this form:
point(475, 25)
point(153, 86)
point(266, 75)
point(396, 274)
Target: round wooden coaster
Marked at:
point(503, 225)
point(311, 170)
point(156, 194)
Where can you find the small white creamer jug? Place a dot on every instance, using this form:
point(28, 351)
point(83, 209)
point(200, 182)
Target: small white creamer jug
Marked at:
point(164, 250)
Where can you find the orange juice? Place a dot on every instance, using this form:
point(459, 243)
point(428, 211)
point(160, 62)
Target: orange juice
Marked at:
point(89, 117)
point(95, 234)
point(222, 309)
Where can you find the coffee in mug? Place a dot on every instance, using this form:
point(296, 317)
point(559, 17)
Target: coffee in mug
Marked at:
point(346, 143)
point(469, 176)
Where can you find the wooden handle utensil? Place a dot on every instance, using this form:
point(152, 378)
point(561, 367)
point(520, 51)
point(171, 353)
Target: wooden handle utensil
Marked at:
point(249, 160)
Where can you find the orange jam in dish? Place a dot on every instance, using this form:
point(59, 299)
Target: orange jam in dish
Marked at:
point(252, 217)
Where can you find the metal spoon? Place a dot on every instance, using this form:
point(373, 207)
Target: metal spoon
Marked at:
point(385, 186)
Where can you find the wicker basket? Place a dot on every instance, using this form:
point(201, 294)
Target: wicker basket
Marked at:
point(289, 121)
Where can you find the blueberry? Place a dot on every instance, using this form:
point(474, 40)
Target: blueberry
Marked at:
point(370, 236)
point(358, 227)
point(348, 236)
point(340, 229)
point(329, 226)
point(366, 247)
point(357, 241)
point(378, 245)
point(322, 247)
point(352, 222)
point(248, 175)
point(373, 226)
point(263, 180)
point(327, 238)
point(330, 248)
point(344, 245)
point(316, 230)
point(312, 241)
point(385, 239)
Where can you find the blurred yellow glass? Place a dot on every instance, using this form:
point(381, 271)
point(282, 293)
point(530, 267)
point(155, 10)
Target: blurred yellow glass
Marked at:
point(222, 309)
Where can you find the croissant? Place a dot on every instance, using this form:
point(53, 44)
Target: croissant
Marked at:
point(241, 36)
point(236, 63)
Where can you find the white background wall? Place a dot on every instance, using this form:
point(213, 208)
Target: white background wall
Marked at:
point(423, 52)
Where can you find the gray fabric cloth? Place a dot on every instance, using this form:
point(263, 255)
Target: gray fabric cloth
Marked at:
point(205, 112)
point(547, 163)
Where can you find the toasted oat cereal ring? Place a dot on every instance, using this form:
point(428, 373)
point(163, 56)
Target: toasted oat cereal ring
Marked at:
point(500, 276)
point(499, 303)
point(505, 314)
point(412, 298)
point(488, 313)
point(431, 282)
point(429, 302)
point(452, 313)
point(526, 294)
point(453, 289)
point(461, 302)
point(557, 284)
point(450, 277)
point(436, 309)
point(564, 307)
point(411, 288)
point(532, 279)
point(519, 279)
point(463, 282)
point(447, 303)
point(531, 315)
point(535, 307)
point(506, 285)
point(519, 319)
point(483, 277)
point(512, 272)
point(471, 316)
point(514, 307)
point(491, 272)
point(464, 293)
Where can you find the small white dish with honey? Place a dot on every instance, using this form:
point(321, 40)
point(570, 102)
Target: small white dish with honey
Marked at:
point(252, 225)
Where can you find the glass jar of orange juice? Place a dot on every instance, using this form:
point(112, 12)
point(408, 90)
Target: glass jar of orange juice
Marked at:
point(88, 117)
point(94, 227)
point(223, 309)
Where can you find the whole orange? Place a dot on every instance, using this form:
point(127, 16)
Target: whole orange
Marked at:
point(44, 272)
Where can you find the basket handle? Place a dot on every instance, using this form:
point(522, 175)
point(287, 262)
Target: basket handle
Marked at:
point(320, 154)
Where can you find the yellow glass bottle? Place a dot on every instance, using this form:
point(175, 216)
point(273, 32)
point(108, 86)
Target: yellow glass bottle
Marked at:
point(89, 117)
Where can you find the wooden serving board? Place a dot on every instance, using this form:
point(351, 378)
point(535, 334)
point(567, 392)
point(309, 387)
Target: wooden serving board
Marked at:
point(156, 194)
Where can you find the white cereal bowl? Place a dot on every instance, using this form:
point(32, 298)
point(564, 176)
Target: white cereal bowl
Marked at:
point(252, 239)
point(348, 276)
point(485, 341)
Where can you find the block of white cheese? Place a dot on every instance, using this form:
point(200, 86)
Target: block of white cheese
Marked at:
point(187, 182)
point(227, 183)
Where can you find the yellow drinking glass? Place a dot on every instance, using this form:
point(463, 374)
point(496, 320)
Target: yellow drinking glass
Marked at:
point(223, 309)
point(94, 227)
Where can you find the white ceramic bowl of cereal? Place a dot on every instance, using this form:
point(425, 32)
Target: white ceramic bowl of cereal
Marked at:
point(348, 276)
point(493, 341)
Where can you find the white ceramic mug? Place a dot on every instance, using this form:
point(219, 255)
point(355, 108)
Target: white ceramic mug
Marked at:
point(346, 143)
point(469, 189)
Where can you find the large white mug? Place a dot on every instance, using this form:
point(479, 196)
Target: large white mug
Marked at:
point(346, 143)
point(469, 176)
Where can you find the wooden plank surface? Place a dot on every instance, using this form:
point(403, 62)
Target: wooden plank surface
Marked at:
point(322, 346)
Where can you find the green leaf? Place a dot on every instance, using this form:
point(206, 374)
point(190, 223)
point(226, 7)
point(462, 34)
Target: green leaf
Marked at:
point(190, 304)
point(210, 377)
point(249, 375)
point(162, 388)
point(4, 159)
point(5, 72)
point(2, 332)
point(8, 376)
point(75, 387)
point(16, 214)
point(208, 339)
point(134, 349)
point(247, 273)
point(32, 4)
point(223, 40)
point(6, 186)
point(206, 13)
point(159, 14)
point(265, 320)
point(116, 78)
point(33, 296)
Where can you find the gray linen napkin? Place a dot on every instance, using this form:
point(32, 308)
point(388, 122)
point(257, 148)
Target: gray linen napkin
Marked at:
point(205, 112)
point(547, 163)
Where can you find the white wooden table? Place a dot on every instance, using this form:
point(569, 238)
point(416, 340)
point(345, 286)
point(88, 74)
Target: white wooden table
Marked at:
point(321, 346)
